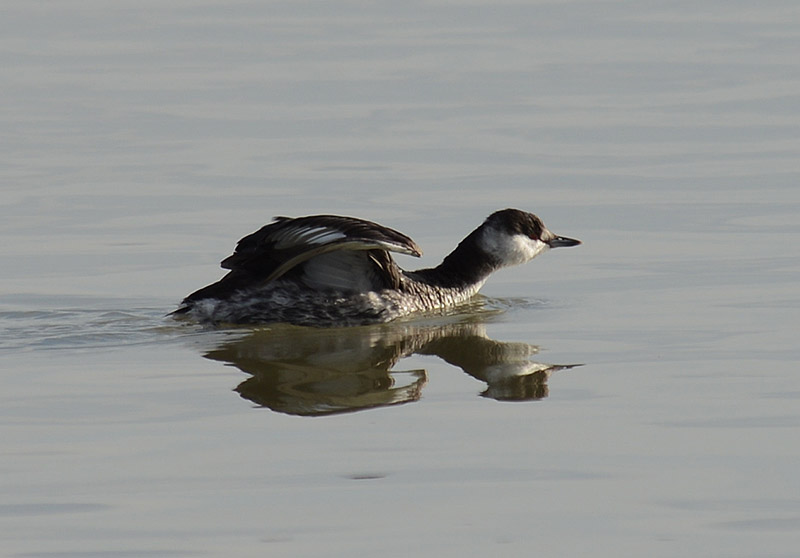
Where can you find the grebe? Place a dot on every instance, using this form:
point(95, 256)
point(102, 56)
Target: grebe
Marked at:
point(329, 270)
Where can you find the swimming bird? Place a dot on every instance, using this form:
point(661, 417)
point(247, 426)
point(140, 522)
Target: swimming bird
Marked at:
point(330, 270)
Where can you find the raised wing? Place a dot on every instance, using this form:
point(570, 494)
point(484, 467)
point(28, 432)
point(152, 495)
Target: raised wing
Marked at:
point(285, 243)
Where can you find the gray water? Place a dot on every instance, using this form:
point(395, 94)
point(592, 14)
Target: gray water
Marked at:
point(634, 396)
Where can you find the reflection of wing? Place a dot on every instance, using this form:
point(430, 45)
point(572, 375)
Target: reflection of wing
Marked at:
point(314, 392)
point(313, 372)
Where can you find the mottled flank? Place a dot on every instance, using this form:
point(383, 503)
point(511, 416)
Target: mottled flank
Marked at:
point(291, 302)
point(328, 270)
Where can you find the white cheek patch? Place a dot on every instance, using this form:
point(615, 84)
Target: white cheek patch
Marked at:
point(539, 248)
point(511, 249)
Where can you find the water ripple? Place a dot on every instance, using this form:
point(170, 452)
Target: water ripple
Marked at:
point(77, 328)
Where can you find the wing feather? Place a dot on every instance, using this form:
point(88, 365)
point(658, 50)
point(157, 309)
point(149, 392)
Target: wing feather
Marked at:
point(286, 243)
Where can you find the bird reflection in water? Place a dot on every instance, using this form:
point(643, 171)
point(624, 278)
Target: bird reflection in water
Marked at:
point(315, 372)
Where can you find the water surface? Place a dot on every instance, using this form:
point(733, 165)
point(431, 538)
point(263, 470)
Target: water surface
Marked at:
point(143, 140)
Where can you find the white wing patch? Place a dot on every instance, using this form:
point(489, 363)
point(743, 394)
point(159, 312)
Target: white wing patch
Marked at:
point(306, 236)
point(325, 237)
